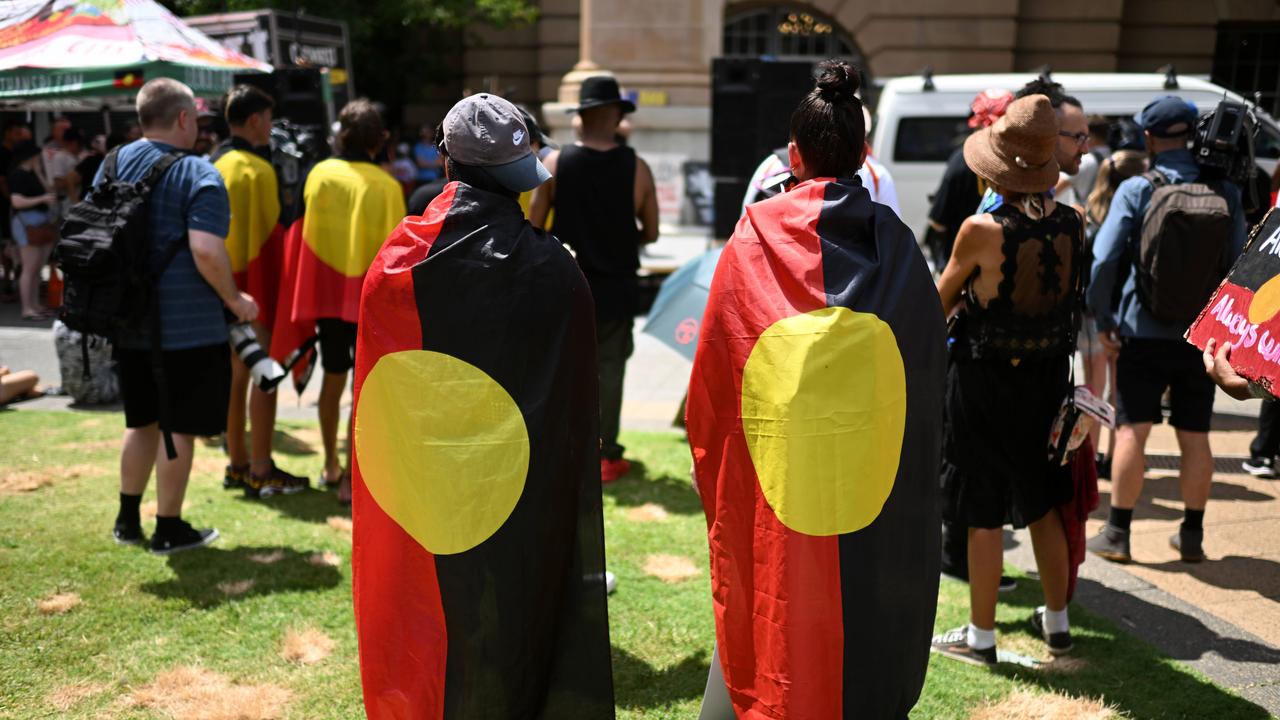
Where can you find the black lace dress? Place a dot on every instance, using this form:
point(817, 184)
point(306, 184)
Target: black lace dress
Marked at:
point(1008, 375)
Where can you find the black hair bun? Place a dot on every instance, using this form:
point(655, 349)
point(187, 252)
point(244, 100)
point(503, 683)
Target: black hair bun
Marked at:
point(838, 81)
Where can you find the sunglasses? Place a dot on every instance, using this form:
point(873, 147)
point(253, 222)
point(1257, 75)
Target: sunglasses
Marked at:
point(1081, 137)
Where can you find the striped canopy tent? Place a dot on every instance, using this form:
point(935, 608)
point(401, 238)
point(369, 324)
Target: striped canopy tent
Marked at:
point(68, 54)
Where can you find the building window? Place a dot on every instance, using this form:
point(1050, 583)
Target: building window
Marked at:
point(787, 32)
point(1246, 60)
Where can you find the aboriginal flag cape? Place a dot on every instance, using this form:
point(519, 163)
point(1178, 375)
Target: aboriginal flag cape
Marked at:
point(479, 542)
point(814, 417)
point(351, 206)
point(255, 239)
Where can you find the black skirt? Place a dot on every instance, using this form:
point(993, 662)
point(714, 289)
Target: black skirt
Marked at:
point(995, 467)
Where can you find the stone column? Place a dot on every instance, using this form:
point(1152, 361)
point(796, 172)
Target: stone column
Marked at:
point(661, 50)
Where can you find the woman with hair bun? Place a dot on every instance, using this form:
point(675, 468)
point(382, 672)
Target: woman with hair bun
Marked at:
point(814, 418)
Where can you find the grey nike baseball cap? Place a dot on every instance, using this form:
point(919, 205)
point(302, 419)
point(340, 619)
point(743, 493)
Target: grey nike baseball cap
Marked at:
point(486, 132)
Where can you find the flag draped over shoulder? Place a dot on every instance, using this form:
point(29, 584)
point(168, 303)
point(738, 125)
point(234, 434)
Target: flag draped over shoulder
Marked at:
point(350, 209)
point(814, 417)
point(478, 552)
point(255, 239)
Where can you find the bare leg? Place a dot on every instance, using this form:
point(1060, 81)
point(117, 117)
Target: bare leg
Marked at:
point(138, 457)
point(1196, 475)
point(1129, 464)
point(237, 452)
point(344, 485)
point(172, 475)
point(986, 558)
point(330, 410)
point(33, 257)
point(15, 385)
point(1050, 544)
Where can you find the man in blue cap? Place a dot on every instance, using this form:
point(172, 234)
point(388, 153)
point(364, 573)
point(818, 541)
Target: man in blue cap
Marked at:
point(1171, 208)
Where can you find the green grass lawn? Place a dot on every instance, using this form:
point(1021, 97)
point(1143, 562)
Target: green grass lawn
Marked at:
point(228, 608)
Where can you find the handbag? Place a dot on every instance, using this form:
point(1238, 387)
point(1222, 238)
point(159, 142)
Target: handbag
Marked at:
point(42, 234)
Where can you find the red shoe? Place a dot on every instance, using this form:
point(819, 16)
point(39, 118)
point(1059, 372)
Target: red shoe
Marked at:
point(611, 470)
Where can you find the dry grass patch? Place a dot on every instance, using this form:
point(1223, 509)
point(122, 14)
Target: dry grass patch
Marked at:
point(23, 481)
point(306, 647)
point(58, 604)
point(670, 568)
point(1025, 705)
point(207, 464)
point(328, 558)
point(235, 588)
point(65, 697)
point(648, 512)
point(198, 694)
point(340, 523)
point(1065, 664)
point(92, 445)
point(267, 558)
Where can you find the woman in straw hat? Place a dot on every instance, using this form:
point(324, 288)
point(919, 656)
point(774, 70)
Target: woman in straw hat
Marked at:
point(1012, 281)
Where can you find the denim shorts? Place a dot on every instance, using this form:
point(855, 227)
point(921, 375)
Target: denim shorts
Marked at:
point(23, 218)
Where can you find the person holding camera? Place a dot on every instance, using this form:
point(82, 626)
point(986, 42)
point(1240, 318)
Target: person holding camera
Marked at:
point(1197, 218)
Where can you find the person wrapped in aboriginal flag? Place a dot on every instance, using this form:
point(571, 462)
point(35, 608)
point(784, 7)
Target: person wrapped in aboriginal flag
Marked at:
point(478, 550)
point(814, 418)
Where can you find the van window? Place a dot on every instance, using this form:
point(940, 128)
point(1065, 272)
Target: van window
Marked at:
point(1267, 143)
point(927, 139)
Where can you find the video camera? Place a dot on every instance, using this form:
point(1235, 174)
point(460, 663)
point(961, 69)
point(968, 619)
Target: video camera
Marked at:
point(1223, 142)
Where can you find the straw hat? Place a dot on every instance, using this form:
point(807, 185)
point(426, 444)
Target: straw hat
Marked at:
point(1016, 153)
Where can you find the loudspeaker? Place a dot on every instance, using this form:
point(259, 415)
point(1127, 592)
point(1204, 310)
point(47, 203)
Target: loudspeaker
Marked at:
point(751, 104)
point(297, 91)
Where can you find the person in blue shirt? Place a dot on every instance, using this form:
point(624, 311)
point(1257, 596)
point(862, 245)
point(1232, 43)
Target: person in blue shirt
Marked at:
point(1153, 356)
point(188, 207)
point(426, 156)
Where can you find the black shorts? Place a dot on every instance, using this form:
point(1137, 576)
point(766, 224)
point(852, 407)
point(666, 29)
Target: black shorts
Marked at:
point(199, 389)
point(1146, 367)
point(337, 345)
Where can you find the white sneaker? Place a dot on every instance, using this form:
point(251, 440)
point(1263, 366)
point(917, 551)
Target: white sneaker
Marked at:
point(610, 582)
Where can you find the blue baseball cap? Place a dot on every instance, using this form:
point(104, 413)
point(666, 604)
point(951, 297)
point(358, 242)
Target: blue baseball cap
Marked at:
point(1168, 116)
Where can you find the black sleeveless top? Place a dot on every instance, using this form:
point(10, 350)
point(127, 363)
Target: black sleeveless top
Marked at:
point(596, 216)
point(1034, 315)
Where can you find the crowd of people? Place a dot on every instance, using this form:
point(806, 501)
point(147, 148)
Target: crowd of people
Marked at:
point(1039, 232)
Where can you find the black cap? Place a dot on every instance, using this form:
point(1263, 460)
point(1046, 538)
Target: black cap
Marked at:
point(599, 90)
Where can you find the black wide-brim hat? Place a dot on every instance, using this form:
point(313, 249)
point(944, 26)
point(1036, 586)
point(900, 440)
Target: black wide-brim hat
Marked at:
point(600, 90)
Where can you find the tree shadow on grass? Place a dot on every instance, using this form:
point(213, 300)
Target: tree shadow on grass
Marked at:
point(637, 684)
point(212, 576)
point(1126, 670)
point(641, 486)
point(312, 505)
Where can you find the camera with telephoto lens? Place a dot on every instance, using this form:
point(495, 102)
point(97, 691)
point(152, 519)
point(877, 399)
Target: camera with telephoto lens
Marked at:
point(266, 372)
point(1223, 143)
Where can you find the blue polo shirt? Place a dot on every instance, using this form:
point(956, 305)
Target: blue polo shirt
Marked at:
point(1123, 229)
point(190, 196)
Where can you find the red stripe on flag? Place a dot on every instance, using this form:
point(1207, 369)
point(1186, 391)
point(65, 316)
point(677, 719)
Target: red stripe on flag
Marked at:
point(777, 594)
point(399, 615)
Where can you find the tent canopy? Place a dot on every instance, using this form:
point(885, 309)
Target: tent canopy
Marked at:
point(63, 54)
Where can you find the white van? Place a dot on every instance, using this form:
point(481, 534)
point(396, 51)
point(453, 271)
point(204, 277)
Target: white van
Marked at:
point(920, 119)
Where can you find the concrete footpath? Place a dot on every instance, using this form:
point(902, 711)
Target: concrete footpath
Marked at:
point(1221, 617)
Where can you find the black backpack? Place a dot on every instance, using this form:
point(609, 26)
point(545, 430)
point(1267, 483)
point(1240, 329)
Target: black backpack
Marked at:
point(1185, 243)
point(104, 253)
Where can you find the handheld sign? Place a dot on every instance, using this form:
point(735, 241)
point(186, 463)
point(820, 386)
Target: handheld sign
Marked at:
point(1245, 310)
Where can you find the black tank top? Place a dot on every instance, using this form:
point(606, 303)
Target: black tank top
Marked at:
point(596, 216)
point(1035, 311)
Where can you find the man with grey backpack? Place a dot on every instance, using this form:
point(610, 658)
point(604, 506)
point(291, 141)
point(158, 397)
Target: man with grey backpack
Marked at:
point(1170, 237)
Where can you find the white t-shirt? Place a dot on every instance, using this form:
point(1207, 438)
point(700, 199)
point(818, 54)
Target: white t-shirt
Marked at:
point(875, 178)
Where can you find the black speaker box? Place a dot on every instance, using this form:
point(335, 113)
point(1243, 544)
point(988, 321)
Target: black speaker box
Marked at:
point(297, 92)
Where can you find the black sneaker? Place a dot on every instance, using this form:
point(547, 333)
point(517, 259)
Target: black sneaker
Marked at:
point(184, 538)
point(1111, 544)
point(126, 534)
point(234, 477)
point(955, 645)
point(1189, 543)
point(1059, 643)
point(1007, 584)
point(277, 482)
point(1260, 467)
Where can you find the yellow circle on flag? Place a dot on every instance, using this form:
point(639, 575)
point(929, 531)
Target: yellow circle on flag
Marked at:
point(1266, 302)
point(824, 407)
point(443, 448)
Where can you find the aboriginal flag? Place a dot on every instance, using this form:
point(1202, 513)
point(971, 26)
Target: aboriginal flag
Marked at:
point(255, 239)
point(815, 419)
point(351, 208)
point(479, 542)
